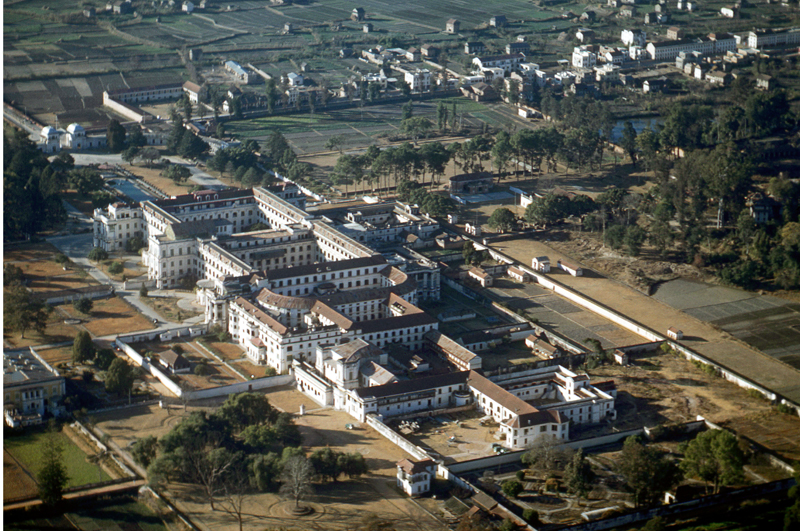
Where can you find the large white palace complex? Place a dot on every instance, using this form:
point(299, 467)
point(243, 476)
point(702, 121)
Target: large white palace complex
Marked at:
point(305, 297)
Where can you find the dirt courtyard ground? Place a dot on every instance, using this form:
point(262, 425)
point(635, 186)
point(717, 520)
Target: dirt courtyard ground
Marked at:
point(336, 506)
point(664, 388)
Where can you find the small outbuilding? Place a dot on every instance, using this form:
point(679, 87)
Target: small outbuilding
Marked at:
point(674, 333)
point(572, 269)
point(541, 263)
point(520, 275)
point(174, 362)
point(482, 277)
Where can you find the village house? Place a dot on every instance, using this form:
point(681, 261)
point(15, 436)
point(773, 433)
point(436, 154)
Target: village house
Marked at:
point(358, 14)
point(193, 90)
point(508, 62)
point(474, 48)
point(453, 26)
point(498, 21)
point(429, 51)
point(634, 37)
point(517, 47)
point(584, 35)
point(764, 82)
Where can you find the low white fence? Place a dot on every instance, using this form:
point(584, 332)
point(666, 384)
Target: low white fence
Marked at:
point(240, 387)
point(103, 448)
point(396, 438)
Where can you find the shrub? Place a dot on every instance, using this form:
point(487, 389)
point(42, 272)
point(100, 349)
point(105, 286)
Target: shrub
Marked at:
point(60, 258)
point(786, 410)
point(223, 336)
point(115, 268)
point(143, 291)
point(755, 393)
point(512, 488)
point(83, 305)
point(520, 475)
point(201, 369)
point(270, 371)
point(530, 516)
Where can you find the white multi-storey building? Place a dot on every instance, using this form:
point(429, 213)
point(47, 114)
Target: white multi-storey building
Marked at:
point(583, 58)
point(508, 62)
point(32, 389)
point(766, 38)
point(116, 225)
point(635, 37)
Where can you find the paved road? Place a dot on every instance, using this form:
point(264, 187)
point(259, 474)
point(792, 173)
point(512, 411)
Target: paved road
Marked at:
point(198, 176)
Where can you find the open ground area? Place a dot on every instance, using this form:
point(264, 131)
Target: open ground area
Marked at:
point(336, 506)
point(111, 316)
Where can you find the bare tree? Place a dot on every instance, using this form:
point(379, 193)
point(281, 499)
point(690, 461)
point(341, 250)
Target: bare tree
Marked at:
point(235, 491)
point(296, 478)
point(547, 453)
point(210, 469)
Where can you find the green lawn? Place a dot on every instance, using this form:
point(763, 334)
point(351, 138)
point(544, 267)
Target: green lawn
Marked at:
point(117, 514)
point(28, 450)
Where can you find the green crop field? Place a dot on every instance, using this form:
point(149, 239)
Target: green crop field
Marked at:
point(27, 449)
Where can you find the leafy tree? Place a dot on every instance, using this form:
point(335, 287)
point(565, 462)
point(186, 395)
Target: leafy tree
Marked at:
point(335, 143)
point(512, 488)
point(502, 219)
point(133, 245)
point(791, 519)
point(12, 274)
point(655, 524)
point(628, 141)
point(144, 450)
point(116, 268)
point(115, 136)
point(22, 311)
point(296, 478)
point(119, 377)
point(767, 112)
point(103, 358)
point(191, 146)
point(633, 239)
point(416, 126)
point(265, 472)
point(143, 291)
point(149, 155)
point(325, 464)
point(531, 516)
point(647, 473)
point(86, 180)
point(83, 305)
point(579, 475)
point(82, 347)
point(352, 465)
point(131, 154)
point(97, 254)
point(715, 457)
point(52, 477)
point(136, 138)
point(178, 173)
point(467, 251)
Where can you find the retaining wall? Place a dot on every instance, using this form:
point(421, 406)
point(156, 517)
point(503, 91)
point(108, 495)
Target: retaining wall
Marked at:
point(242, 387)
